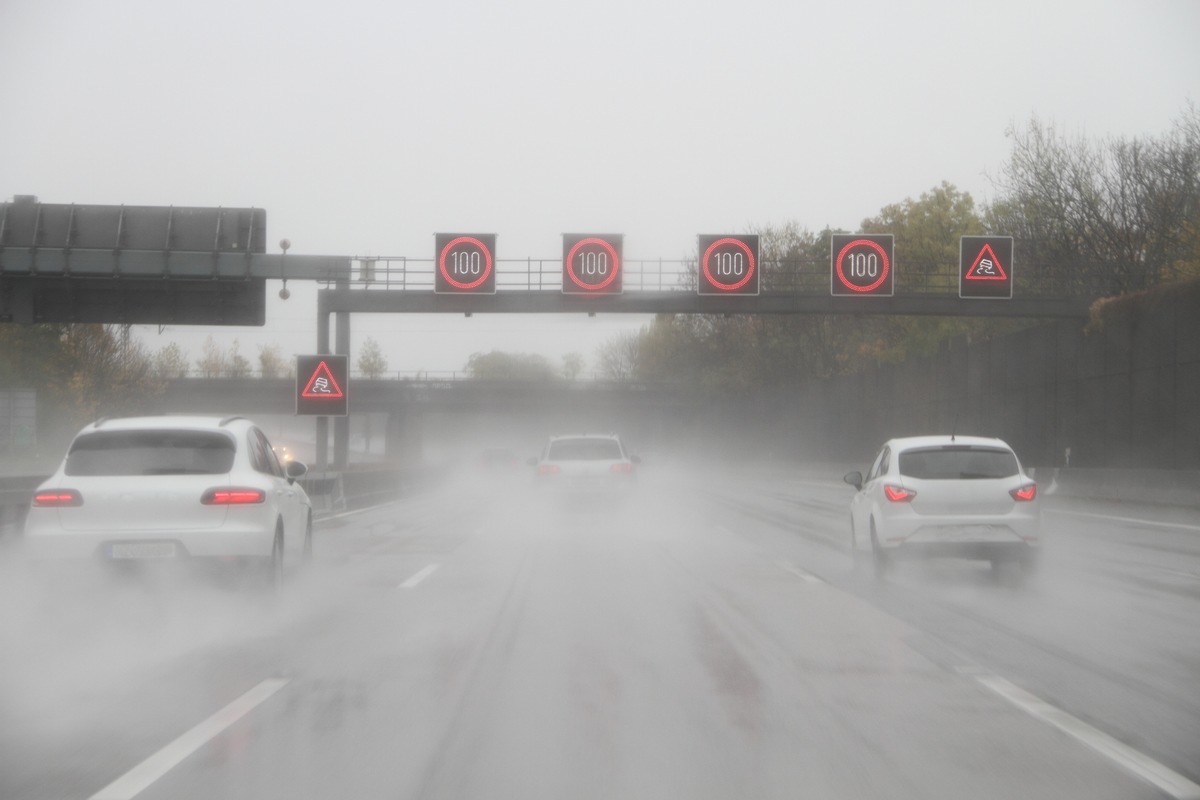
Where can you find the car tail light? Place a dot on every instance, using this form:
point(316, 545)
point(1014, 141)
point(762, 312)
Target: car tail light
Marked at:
point(1024, 494)
point(898, 494)
point(233, 497)
point(547, 469)
point(622, 468)
point(57, 498)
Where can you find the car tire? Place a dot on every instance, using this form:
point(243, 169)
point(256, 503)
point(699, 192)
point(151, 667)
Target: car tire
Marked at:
point(272, 577)
point(306, 555)
point(857, 562)
point(880, 559)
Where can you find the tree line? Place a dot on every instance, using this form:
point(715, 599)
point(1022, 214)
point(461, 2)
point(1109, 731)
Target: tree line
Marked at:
point(1093, 218)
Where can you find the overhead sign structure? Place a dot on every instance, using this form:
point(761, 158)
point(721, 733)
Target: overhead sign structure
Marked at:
point(985, 267)
point(466, 263)
point(728, 265)
point(862, 265)
point(322, 385)
point(592, 264)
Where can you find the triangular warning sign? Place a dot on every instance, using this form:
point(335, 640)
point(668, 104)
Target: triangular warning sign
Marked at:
point(986, 267)
point(322, 384)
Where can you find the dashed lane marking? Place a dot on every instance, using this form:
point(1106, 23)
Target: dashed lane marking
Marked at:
point(143, 775)
point(418, 577)
point(800, 573)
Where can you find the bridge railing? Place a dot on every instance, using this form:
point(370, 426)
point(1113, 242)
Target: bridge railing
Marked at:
point(792, 276)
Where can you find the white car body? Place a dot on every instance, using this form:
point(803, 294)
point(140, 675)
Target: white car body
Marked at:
point(168, 487)
point(956, 496)
point(585, 464)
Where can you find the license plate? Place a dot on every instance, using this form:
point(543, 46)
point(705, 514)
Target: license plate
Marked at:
point(971, 532)
point(142, 550)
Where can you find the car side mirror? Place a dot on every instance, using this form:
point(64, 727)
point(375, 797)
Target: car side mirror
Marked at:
point(295, 469)
point(855, 479)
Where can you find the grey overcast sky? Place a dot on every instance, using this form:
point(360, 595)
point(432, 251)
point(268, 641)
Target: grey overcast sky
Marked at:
point(365, 127)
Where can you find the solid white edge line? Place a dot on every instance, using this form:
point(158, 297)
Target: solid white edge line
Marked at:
point(418, 577)
point(1144, 767)
point(144, 774)
point(1131, 520)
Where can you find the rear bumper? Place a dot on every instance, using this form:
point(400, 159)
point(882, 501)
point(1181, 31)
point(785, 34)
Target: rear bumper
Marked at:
point(73, 545)
point(986, 551)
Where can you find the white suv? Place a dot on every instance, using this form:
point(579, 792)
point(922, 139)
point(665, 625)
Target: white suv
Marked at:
point(585, 464)
point(173, 487)
point(958, 496)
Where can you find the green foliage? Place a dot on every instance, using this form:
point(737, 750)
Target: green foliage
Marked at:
point(80, 372)
point(371, 361)
point(572, 366)
point(500, 366)
point(170, 362)
point(271, 363)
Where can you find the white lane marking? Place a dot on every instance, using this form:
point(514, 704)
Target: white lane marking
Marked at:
point(1130, 520)
point(802, 574)
point(420, 576)
point(1146, 768)
point(140, 777)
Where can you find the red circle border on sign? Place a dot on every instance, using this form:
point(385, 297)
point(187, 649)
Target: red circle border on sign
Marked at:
point(612, 251)
point(487, 253)
point(878, 248)
point(725, 287)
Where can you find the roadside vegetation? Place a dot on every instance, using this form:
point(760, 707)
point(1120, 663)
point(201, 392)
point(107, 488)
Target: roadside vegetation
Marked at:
point(1099, 218)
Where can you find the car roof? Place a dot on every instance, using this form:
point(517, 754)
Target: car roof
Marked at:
point(172, 421)
point(912, 442)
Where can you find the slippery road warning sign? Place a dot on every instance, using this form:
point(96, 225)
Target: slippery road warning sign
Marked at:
point(321, 385)
point(985, 267)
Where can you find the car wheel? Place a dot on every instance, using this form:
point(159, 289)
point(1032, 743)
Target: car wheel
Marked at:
point(306, 554)
point(879, 557)
point(273, 569)
point(856, 556)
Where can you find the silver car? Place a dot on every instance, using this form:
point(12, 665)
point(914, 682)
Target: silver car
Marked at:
point(955, 496)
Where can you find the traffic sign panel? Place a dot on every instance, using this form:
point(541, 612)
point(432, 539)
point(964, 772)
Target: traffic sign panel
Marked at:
point(322, 387)
point(985, 267)
point(728, 265)
point(592, 264)
point(862, 265)
point(465, 264)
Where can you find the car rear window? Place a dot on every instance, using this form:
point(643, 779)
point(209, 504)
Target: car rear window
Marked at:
point(958, 462)
point(164, 452)
point(585, 450)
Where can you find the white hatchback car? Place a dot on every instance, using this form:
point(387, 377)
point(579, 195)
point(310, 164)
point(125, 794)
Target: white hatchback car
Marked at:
point(956, 496)
point(173, 488)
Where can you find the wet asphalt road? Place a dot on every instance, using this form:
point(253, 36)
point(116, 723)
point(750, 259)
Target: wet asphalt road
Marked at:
point(706, 638)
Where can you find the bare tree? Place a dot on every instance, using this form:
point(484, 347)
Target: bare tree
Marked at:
point(1114, 216)
point(619, 357)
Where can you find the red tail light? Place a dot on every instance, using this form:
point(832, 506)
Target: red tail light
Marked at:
point(622, 468)
point(898, 494)
point(547, 469)
point(1024, 493)
point(57, 498)
point(233, 497)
